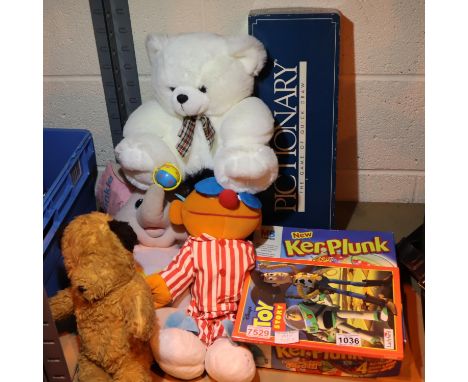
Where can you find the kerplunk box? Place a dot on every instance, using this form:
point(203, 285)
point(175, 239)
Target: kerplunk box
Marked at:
point(300, 86)
point(334, 246)
point(323, 302)
point(323, 363)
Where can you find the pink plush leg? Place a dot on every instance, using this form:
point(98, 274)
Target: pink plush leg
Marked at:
point(179, 353)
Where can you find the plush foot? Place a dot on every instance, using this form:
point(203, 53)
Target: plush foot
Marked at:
point(179, 353)
point(89, 372)
point(226, 362)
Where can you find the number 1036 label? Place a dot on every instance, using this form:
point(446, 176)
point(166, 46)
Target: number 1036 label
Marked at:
point(258, 332)
point(343, 339)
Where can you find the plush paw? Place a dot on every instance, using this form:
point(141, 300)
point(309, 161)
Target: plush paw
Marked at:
point(140, 155)
point(179, 353)
point(228, 362)
point(246, 169)
point(140, 180)
point(132, 156)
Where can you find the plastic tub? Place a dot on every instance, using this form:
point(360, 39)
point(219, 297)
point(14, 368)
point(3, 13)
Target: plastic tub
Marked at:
point(69, 176)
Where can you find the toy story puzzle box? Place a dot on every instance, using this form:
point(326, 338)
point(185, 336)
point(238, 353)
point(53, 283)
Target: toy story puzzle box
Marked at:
point(317, 304)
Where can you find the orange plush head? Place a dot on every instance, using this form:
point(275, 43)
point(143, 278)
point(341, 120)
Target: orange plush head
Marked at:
point(218, 212)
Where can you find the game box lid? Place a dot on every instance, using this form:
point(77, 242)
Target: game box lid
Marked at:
point(321, 306)
point(327, 246)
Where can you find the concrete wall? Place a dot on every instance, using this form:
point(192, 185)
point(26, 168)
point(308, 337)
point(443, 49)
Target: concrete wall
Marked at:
point(381, 127)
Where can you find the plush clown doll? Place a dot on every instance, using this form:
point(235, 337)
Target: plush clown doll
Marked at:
point(213, 263)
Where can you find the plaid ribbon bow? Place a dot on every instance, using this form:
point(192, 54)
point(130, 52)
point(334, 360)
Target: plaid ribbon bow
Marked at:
point(188, 128)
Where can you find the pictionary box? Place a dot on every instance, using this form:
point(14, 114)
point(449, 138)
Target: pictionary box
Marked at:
point(335, 312)
point(300, 86)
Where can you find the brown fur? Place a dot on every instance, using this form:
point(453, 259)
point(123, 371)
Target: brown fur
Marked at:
point(112, 303)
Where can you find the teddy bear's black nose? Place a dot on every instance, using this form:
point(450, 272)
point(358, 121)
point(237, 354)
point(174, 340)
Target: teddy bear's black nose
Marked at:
point(82, 289)
point(182, 98)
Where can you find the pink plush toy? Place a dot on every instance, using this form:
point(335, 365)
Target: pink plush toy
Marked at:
point(148, 215)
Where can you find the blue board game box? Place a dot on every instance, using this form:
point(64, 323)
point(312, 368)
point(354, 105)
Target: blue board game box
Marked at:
point(300, 86)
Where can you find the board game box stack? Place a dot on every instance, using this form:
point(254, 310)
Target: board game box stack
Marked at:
point(323, 302)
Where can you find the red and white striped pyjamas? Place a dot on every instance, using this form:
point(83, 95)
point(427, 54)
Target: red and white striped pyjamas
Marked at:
point(215, 269)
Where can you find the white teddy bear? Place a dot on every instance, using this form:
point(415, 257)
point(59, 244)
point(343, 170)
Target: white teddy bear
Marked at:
point(203, 115)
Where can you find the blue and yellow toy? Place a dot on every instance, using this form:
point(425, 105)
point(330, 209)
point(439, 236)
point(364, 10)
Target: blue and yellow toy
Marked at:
point(167, 176)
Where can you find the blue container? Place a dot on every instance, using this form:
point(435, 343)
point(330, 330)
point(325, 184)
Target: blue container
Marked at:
point(69, 176)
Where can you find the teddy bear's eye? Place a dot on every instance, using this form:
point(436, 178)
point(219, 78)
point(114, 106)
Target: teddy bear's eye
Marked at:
point(138, 203)
point(202, 89)
point(171, 88)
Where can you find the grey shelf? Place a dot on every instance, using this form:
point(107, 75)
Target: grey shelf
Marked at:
point(117, 61)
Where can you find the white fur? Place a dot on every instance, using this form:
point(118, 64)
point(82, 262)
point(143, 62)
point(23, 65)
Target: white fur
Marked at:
point(184, 66)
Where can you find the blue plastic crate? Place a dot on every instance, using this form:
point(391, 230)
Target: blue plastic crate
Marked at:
point(69, 176)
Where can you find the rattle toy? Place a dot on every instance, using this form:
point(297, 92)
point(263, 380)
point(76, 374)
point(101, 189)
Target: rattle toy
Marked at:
point(167, 176)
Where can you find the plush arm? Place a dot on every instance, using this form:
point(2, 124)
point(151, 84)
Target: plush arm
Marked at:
point(61, 305)
point(144, 147)
point(248, 122)
point(139, 313)
point(159, 290)
point(171, 282)
point(244, 161)
point(143, 152)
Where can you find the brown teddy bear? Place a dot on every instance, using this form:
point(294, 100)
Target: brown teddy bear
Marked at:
point(112, 303)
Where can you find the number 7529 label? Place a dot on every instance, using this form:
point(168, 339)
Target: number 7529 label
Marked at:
point(258, 332)
point(345, 339)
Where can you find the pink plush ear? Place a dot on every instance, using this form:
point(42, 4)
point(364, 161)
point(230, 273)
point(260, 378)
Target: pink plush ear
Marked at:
point(154, 43)
point(250, 52)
